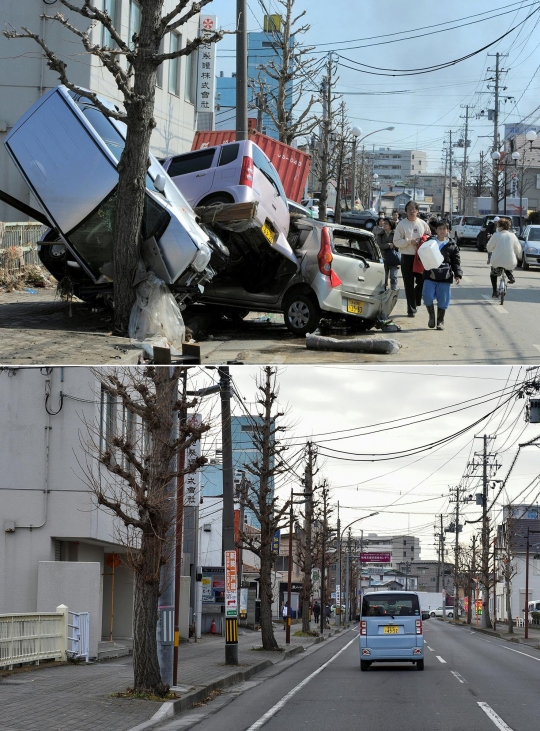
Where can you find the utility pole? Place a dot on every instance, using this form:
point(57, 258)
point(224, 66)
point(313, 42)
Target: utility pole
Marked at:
point(323, 556)
point(338, 573)
point(495, 146)
point(179, 537)
point(472, 594)
point(451, 201)
point(456, 497)
point(442, 549)
point(241, 72)
point(231, 623)
point(465, 162)
point(326, 93)
point(438, 581)
point(308, 525)
point(289, 573)
point(444, 184)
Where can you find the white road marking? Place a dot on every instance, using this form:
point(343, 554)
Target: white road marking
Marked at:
point(520, 653)
point(536, 346)
point(279, 705)
point(439, 658)
point(501, 310)
point(458, 676)
point(497, 720)
point(430, 648)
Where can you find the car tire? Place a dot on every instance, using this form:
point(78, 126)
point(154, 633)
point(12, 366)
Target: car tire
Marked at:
point(458, 240)
point(525, 265)
point(419, 664)
point(370, 224)
point(433, 614)
point(451, 615)
point(215, 200)
point(301, 313)
point(364, 665)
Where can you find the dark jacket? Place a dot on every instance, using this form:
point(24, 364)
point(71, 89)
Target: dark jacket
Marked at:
point(450, 267)
point(389, 254)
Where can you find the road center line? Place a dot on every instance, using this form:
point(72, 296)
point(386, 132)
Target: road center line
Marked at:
point(430, 648)
point(458, 676)
point(439, 658)
point(490, 713)
point(521, 653)
point(499, 308)
point(272, 712)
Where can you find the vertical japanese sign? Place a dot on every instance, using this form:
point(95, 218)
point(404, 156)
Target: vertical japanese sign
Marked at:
point(275, 542)
point(243, 603)
point(192, 481)
point(206, 74)
point(231, 596)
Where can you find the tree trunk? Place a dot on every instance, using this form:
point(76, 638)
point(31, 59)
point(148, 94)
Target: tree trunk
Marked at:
point(146, 672)
point(267, 631)
point(133, 166)
point(470, 602)
point(509, 607)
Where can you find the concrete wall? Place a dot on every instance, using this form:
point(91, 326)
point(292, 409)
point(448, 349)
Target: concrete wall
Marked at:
point(24, 78)
point(73, 584)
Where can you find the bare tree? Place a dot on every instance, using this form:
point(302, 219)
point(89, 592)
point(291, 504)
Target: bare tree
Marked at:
point(507, 554)
point(133, 65)
point(267, 464)
point(291, 72)
point(135, 447)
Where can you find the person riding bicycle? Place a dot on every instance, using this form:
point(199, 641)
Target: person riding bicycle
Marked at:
point(505, 251)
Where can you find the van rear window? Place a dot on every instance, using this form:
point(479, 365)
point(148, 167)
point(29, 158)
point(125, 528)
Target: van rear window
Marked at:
point(391, 604)
point(191, 162)
point(228, 153)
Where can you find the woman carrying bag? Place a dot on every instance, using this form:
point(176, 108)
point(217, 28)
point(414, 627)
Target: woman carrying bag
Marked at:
point(391, 256)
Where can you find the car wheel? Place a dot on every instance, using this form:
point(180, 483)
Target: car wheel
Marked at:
point(369, 224)
point(419, 664)
point(451, 615)
point(301, 313)
point(433, 614)
point(458, 241)
point(526, 265)
point(215, 200)
point(364, 665)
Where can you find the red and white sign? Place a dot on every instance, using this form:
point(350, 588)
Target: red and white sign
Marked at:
point(231, 594)
point(376, 557)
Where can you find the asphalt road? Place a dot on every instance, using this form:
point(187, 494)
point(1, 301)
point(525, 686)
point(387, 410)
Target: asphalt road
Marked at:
point(470, 681)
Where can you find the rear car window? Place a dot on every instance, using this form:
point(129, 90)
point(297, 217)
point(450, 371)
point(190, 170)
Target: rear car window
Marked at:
point(534, 234)
point(191, 162)
point(472, 221)
point(477, 222)
point(228, 153)
point(392, 604)
point(344, 241)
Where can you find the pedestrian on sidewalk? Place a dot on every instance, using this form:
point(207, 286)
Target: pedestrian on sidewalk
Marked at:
point(317, 612)
point(437, 282)
point(328, 613)
point(391, 256)
point(395, 217)
point(285, 614)
point(505, 251)
point(379, 227)
point(407, 237)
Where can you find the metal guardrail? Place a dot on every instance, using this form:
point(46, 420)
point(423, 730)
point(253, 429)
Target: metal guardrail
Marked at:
point(78, 644)
point(30, 638)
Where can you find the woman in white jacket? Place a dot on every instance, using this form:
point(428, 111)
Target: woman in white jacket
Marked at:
point(505, 251)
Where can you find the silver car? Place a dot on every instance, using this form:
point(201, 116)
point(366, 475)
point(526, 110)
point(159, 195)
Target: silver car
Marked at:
point(530, 244)
point(67, 151)
point(338, 273)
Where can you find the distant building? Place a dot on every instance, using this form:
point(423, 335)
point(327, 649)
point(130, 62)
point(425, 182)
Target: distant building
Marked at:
point(429, 575)
point(396, 166)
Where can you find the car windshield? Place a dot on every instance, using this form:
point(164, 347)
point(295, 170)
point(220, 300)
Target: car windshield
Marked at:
point(390, 604)
point(534, 234)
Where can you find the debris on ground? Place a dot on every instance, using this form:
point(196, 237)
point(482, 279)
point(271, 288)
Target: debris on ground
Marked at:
point(363, 344)
point(155, 318)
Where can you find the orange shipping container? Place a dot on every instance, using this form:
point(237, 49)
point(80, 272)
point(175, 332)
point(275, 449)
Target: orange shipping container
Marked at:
point(292, 164)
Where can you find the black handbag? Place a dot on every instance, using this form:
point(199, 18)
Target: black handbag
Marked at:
point(392, 257)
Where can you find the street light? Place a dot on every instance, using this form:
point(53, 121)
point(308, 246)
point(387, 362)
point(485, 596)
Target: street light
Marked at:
point(356, 132)
point(339, 534)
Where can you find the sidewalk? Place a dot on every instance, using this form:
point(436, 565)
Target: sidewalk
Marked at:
point(518, 636)
point(78, 697)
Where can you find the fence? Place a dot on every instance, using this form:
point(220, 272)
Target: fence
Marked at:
point(37, 636)
point(18, 245)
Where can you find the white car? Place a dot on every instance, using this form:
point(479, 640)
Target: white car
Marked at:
point(449, 612)
point(530, 244)
point(466, 229)
point(313, 205)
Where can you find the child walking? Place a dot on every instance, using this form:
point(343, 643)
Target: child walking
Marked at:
point(437, 282)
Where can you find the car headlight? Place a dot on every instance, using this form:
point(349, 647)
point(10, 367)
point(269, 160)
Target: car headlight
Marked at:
point(531, 250)
point(202, 258)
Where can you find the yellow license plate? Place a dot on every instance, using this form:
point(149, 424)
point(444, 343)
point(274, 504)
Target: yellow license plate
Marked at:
point(355, 307)
point(391, 630)
point(268, 233)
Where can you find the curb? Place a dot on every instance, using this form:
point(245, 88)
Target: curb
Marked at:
point(173, 708)
point(499, 636)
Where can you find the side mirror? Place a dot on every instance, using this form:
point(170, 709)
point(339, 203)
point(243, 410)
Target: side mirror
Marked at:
point(160, 182)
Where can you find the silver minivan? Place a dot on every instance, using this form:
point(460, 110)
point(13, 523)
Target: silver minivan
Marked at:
point(391, 628)
point(67, 151)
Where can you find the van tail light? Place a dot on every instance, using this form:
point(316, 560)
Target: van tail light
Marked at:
point(246, 176)
point(363, 627)
point(325, 258)
point(418, 626)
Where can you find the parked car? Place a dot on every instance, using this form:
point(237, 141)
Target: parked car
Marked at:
point(235, 172)
point(391, 629)
point(466, 229)
point(313, 205)
point(530, 244)
point(366, 219)
point(449, 612)
point(517, 226)
point(299, 210)
point(338, 273)
point(67, 151)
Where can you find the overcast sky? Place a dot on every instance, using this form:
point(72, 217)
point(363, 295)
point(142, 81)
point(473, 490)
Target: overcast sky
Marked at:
point(408, 492)
point(430, 103)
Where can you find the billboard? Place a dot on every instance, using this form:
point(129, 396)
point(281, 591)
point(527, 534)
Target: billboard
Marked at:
point(375, 557)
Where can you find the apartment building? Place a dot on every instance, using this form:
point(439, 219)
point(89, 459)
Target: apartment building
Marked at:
point(396, 166)
point(25, 77)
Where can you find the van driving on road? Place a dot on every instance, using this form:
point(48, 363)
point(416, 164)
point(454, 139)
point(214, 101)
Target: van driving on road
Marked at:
point(391, 628)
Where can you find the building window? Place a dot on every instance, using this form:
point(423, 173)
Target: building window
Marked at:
point(134, 19)
point(107, 421)
point(174, 64)
point(404, 541)
point(109, 6)
point(412, 157)
point(404, 554)
point(432, 579)
point(191, 78)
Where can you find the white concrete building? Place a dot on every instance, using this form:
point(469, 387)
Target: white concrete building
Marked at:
point(394, 166)
point(25, 77)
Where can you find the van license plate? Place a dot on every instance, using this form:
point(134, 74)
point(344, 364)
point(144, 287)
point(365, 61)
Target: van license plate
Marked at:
point(391, 629)
point(355, 307)
point(268, 233)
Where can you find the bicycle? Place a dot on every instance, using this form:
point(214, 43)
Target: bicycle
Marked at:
point(502, 287)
